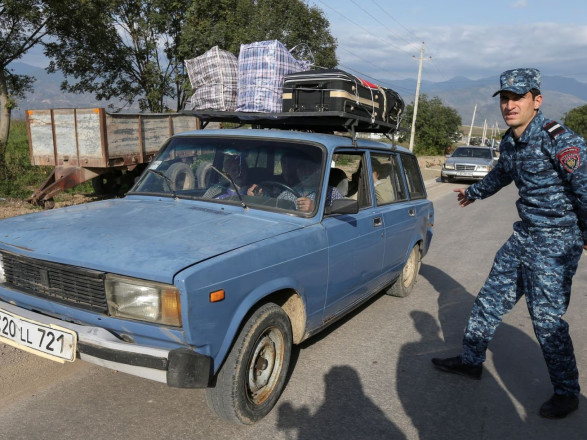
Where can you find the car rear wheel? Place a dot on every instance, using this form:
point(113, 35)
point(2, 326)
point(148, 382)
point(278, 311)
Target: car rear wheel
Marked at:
point(253, 375)
point(404, 285)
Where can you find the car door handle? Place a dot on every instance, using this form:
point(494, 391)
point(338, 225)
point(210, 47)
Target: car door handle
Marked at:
point(412, 212)
point(377, 222)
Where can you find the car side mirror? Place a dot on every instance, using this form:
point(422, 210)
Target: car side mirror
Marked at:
point(342, 206)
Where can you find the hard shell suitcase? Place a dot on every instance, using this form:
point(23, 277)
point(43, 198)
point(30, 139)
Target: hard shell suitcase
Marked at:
point(393, 106)
point(336, 90)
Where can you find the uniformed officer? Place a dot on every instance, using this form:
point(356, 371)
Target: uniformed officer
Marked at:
point(547, 162)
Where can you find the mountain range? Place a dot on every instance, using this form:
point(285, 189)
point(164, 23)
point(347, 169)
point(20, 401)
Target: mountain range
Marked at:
point(561, 94)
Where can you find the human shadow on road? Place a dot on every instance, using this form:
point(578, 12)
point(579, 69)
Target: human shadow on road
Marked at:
point(443, 406)
point(347, 413)
point(517, 360)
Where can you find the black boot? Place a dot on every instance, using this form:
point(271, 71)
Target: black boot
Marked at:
point(455, 365)
point(559, 406)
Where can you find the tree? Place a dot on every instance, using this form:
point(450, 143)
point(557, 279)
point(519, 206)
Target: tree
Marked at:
point(437, 126)
point(576, 120)
point(230, 23)
point(22, 26)
point(127, 51)
point(135, 50)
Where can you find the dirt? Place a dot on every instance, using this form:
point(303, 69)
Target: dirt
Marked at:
point(13, 207)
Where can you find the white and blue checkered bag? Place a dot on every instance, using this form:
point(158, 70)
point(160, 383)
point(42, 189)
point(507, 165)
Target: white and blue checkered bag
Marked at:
point(213, 76)
point(261, 68)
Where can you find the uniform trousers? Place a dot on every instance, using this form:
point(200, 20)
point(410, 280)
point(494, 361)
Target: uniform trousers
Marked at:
point(538, 263)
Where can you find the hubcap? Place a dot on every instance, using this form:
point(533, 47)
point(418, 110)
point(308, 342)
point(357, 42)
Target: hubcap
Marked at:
point(410, 268)
point(265, 365)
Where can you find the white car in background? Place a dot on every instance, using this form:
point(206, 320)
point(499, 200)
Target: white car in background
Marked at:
point(468, 163)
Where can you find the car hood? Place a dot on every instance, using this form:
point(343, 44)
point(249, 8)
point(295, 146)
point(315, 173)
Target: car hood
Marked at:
point(150, 239)
point(469, 160)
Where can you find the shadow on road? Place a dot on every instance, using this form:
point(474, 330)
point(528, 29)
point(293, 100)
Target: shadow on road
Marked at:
point(347, 413)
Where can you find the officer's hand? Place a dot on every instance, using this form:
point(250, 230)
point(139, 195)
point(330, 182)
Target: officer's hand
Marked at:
point(462, 197)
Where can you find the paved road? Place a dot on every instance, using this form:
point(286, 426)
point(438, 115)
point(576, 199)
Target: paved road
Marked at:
point(368, 377)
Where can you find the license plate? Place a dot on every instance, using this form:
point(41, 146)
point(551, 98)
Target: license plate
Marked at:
point(466, 174)
point(49, 341)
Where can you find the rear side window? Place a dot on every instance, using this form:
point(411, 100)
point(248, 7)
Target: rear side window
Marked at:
point(413, 177)
point(387, 178)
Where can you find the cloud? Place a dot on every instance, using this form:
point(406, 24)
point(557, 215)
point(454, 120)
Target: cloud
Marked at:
point(520, 4)
point(471, 51)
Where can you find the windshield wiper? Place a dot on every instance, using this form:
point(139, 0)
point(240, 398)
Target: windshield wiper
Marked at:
point(232, 182)
point(167, 180)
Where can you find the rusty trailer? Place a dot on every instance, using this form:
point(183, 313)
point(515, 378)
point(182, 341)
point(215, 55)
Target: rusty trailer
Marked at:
point(111, 149)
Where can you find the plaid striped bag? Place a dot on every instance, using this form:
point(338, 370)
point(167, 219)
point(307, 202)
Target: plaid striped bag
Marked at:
point(261, 68)
point(213, 76)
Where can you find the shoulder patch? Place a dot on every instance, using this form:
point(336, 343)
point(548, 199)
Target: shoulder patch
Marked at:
point(553, 129)
point(570, 158)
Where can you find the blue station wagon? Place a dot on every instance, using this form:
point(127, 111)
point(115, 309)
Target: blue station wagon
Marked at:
point(232, 246)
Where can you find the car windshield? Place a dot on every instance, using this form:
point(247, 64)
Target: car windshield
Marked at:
point(257, 173)
point(482, 153)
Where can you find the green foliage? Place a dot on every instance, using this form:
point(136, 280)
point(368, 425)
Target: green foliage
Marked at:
point(19, 178)
point(135, 50)
point(437, 126)
point(576, 120)
point(230, 23)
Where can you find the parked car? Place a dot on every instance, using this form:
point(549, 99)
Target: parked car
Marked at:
point(468, 163)
point(231, 247)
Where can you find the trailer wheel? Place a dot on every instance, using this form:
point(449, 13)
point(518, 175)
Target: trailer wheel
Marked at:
point(106, 184)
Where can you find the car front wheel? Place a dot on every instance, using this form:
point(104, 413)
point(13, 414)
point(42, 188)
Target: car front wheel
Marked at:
point(253, 375)
point(404, 284)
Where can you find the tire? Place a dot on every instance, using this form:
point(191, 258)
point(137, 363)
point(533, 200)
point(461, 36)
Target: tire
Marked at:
point(404, 285)
point(443, 178)
point(203, 173)
point(106, 184)
point(253, 375)
point(181, 175)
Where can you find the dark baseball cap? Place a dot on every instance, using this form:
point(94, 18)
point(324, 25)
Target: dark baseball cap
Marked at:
point(519, 81)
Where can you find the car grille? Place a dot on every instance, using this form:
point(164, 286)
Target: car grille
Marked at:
point(72, 285)
point(465, 167)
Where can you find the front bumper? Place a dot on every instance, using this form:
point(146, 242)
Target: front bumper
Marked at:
point(464, 175)
point(181, 367)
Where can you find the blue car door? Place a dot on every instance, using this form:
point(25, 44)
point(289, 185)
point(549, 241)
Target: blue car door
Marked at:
point(355, 243)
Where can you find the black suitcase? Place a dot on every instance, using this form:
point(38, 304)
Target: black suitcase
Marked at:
point(393, 106)
point(336, 90)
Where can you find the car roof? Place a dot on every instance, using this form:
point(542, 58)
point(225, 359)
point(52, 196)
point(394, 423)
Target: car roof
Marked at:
point(330, 141)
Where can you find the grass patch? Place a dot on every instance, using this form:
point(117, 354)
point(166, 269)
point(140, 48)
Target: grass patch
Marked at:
point(20, 178)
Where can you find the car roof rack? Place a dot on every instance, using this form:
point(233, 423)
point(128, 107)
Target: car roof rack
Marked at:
point(320, 122)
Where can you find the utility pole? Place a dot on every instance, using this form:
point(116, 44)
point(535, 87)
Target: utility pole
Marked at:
point(416, 99)
point(471, 128)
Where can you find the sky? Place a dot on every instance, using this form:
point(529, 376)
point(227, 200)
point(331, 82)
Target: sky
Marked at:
point(382, 39)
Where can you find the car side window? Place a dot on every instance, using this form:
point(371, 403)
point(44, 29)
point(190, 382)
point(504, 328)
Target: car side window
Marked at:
point(356, 182)
point(387, 178)
point(413, 177)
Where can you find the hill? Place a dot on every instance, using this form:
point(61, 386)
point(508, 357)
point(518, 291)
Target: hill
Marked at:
point(560, 95)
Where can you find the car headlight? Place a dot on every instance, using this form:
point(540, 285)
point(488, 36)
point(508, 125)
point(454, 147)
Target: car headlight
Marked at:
point(449, 166)
point(143, 300)
point(484, 168)
point(2, 271)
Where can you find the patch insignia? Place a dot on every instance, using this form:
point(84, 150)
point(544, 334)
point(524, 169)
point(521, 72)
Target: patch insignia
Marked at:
point(570, 158)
